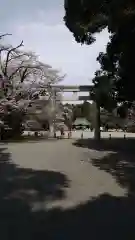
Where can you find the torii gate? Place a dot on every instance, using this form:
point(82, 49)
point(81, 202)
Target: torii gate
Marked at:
point(81, 88)
point(75, 89)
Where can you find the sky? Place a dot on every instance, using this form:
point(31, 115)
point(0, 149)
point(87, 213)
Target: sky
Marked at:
point(40, 24)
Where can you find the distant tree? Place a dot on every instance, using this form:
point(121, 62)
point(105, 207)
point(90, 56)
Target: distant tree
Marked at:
point(122, 111)
point(86, 110)
point(77, 111)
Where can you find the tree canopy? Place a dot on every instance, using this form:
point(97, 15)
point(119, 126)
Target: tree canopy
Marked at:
point(25, 86)
point(84, 18)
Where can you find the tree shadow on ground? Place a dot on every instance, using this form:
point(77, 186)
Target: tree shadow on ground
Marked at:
point(115, 156)
point(114, 144)
point(22, 189)
point(30, 139)
point(104, 217)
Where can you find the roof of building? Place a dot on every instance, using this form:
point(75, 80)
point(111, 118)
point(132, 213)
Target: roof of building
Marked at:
point(33, 125)
point(81, 121)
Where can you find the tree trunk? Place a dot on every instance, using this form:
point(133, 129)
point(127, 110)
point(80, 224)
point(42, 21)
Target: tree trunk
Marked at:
point(97, 134)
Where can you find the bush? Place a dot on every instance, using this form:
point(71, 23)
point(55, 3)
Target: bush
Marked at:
point(13, 119)
point(131, 129)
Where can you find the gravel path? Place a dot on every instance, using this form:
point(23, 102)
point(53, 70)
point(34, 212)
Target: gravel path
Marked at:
point(60, 189)
point(85, 180)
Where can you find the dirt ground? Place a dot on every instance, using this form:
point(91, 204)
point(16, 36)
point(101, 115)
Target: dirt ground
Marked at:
point(67, 189)
point(85, 180)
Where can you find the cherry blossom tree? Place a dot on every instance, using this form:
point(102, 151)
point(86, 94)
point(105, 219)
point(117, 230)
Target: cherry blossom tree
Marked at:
point(24, 79)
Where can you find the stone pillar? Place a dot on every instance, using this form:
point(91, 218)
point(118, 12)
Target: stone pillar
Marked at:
point(51, 129)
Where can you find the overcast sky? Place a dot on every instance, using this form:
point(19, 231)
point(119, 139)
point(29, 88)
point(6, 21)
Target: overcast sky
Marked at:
point(40, 24)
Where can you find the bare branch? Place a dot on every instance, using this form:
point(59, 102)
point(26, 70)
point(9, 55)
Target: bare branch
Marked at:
point(12, 75)
point(24, 74)
point(6, 34)
point(8, 54)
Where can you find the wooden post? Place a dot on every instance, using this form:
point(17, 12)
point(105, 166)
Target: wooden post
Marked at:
point(36, 134)
point(97, 134)
point(55, 135)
